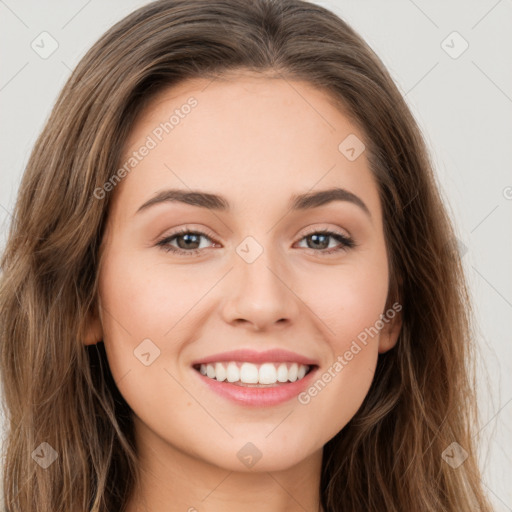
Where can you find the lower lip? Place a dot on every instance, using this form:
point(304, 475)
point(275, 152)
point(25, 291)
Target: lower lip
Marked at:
point(259, 397)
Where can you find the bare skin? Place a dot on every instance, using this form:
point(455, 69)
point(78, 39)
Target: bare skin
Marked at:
point(256, 141)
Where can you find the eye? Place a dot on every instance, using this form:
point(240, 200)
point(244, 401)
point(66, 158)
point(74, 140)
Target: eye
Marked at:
point(320, 242)
point(189, 242)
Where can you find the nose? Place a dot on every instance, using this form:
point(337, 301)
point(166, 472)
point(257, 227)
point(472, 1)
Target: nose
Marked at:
point(260, 295)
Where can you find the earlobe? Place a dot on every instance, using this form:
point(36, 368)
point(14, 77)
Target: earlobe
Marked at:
point(389, 334)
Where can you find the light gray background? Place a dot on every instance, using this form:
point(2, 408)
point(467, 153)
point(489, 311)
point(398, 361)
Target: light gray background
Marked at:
point(463, 105)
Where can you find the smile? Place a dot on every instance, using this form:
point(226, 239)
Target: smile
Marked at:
point(256, 379)
point(250, 374)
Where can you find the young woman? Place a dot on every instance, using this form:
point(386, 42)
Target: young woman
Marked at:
point(230, 283)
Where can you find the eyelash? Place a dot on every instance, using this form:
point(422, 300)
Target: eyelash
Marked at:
point(346, 242)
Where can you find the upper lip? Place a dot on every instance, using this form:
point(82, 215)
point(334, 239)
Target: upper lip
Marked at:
point(252, 356)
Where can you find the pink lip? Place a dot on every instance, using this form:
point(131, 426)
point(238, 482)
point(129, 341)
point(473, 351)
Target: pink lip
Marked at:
point(259, 397)
point(251, 356)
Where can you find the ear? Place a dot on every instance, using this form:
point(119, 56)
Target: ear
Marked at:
point(389, 333)
point(94, 329)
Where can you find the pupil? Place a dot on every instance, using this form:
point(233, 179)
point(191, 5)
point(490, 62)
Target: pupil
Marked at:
point(315, 240)
point(187, 238)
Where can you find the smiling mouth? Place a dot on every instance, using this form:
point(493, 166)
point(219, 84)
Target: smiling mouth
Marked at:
point(254, 375)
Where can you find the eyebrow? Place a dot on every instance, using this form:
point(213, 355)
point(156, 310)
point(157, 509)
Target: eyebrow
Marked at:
point(219, 203)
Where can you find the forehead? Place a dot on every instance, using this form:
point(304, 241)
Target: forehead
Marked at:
point(243, 135)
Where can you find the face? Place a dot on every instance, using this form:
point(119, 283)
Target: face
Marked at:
point(255, 286)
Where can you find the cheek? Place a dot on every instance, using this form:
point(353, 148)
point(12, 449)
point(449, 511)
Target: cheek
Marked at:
point(145, 299)
point(146, 304)
point(348, 298)
point(349, 303)
point(141, 302)
point(132, 312)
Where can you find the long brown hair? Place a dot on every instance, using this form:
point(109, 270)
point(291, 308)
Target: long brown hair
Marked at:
point(58, 391)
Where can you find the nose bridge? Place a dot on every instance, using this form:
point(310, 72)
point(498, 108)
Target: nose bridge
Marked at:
point(260, 295)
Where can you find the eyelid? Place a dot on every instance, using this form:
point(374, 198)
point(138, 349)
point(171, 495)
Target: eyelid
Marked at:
point(205, 231)
point(187, 228)
point(316, 229)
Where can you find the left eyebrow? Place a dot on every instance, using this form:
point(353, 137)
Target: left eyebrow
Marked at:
point(316, 199)
point(219, 203)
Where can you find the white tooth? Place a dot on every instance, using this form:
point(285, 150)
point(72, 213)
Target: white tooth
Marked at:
point(267, 374)
point(232, 372)
point(220, 372)
point(292, 372)
point(249, 373)
point(282, 373)
point(302, 371)
point(210, 371)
